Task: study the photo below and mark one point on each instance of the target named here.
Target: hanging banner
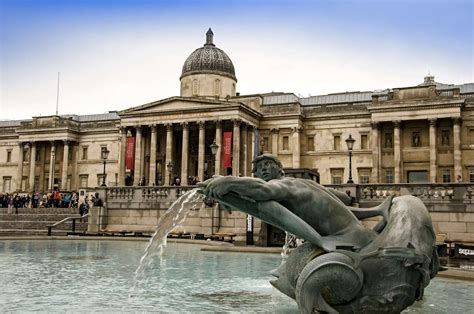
(130, 153)
(227, 151)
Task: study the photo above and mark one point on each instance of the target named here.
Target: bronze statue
(343, 266)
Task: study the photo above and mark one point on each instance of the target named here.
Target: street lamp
(104, 154)
(350, 145)
(214, 148)
(169, 166)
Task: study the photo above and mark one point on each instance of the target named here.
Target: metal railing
(50, 227)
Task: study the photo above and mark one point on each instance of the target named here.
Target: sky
(113, 55)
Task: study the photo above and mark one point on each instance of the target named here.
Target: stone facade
(422, 133)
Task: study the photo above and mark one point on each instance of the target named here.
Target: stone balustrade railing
(146, 193)
(429, 193)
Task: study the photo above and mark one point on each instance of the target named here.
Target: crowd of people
(56, 199)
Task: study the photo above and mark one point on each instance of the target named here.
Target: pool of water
(80, 276)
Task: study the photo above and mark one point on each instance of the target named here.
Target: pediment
(175, 104)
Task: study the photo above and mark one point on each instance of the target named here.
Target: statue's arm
(251, 188)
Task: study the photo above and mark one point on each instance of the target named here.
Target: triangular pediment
(176, 104)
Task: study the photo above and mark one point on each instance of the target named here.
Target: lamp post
(214, 148)
(104, 154)
(169, 166)
(350, 145)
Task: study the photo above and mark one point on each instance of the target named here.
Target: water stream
(172, 218)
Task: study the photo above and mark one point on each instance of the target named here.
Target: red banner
(227, 151)
(130, 153)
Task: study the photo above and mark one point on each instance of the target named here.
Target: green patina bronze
(343, 266)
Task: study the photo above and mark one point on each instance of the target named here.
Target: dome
(209, 60)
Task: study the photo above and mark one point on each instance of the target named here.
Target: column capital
(138, 129)
(66, 142)
(296, 129)
(236, 122)
(27, 145)
(152, 127)
(202, 124)
(433, 121)
(457, 120)
(218, 123)
(185, 125)
(274, 130)
(375, 125)
(169, 127)
(397, 123)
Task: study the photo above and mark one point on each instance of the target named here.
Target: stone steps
(65, 211)
(35, 221)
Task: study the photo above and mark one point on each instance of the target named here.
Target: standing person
(56, 198)
(17, 203)
(10, 203)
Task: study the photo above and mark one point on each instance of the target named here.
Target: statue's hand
(215, 187)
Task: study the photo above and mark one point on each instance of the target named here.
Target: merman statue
(343, 266)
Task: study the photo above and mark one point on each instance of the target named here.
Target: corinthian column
(397, 151)
(236, 149)
(19, 176)
(296, 147)
(31, 177)
(65, 164)
(375, 153)
(152, 180)
(185, 154)
(138, 154)
(201, 150)
(169, 151)
(52, 161)
(244, 153)
(433, 155)
(123, 148)
(457, 147)
(218, 161)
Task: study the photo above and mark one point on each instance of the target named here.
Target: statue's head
(267, 167)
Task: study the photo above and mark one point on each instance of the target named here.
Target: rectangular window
(9, 155)
(336, 176)
(286, 143)
(100, 178)
(364, 176)
(388, 175)
(7, 181)
(25, 155)
(445, 138)
(83, 178)
(38, 155)
(363, 141)
(446, 175)
(471, 136)
(310, 143)
(337, 142)
(388, 143)
(37, 182)
(471, 175)
(84, 152)
(416, 139)
(265, 143)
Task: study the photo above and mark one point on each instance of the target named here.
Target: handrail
(50, 227)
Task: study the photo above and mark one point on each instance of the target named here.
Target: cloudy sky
(116, 54)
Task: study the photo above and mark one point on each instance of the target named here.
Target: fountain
(342, 266)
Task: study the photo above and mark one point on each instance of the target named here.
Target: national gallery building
(422, 133)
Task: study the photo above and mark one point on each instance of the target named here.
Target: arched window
(217, 87)
(195, 88)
